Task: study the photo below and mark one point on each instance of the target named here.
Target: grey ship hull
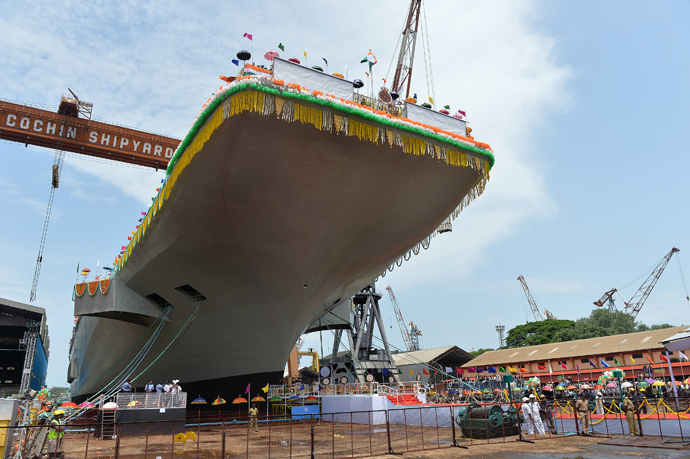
(273, 223)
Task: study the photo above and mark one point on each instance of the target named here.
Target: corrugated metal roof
(616, 344)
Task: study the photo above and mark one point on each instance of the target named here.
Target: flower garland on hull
(291, 103)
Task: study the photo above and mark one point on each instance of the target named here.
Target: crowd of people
(167, 388)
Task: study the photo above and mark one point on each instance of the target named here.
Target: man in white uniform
(527, 415)
(536, 418)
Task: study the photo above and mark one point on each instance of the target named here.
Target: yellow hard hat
(56, 412)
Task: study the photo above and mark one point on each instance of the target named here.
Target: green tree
(480, 351)
(533, 333)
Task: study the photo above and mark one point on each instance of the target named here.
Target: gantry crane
(532, 304)
(635, 304)
(72, 129)
(411, 337)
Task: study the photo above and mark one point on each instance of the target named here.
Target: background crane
(411, 337)
(638, 300)
(533, 304)
(71, 129)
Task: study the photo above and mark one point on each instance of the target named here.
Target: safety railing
(324, 435)
(150, 400)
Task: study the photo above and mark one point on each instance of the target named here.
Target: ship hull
(273, 223)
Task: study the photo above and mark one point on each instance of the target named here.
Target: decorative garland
(92, 287)
(253, 94)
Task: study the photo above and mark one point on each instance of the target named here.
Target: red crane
(403, 71)
(635, 304)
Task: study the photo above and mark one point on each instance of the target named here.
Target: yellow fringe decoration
(310, 115)
(363, 131)
(254, 101)
(279, 105)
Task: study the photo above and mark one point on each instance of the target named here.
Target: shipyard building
(24, 346)
(586, 359)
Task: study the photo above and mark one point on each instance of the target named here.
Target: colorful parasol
(598, 386)
(269, 55)
(275, 398)
(547, 387)
(199, 401)
(311, 398)
(338, 74)
(559, 387)
(571, 387)
(643, 384)
(611, 384)
(238, 400)
(69, 405)
(658, 384)
(258, 398)
(294, 60)
(219, 401)
(626, 384)
(86, 404)
(585, 386)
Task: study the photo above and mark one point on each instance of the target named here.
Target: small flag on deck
(248, 35)
(280, 45)
(604, 364)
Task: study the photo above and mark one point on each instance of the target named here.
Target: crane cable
(682, 277)
(56, 171)
(427, 60)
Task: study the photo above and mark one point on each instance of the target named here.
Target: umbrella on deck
(585, 386)
(239, 401)
(86, 404)
(571, 387)
(258, 398)
(559, 387)
(311, 398)
(547, 387)
(294, 60)
(68, 405)
(687, 381)
(275, 398)
(199, 401)
(219, 401)
(677, 383)
(658, 384)
(598, 386)
(269, 55)
(626, 384)
(643, 384)
(611, 384)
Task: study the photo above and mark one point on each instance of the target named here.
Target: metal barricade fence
(329, 435)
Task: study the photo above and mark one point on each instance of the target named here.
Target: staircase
(108, 429)
(403, 399)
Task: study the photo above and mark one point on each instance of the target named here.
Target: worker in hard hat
(57, 430)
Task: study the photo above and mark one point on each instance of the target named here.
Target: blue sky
(585, 105)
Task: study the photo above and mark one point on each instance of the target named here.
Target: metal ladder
(29, 343)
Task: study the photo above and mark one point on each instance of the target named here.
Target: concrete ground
(573, 447)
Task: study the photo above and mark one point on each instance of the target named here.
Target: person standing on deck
(629, 410)
(253, 415)
(582, 410)
(527, 415)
